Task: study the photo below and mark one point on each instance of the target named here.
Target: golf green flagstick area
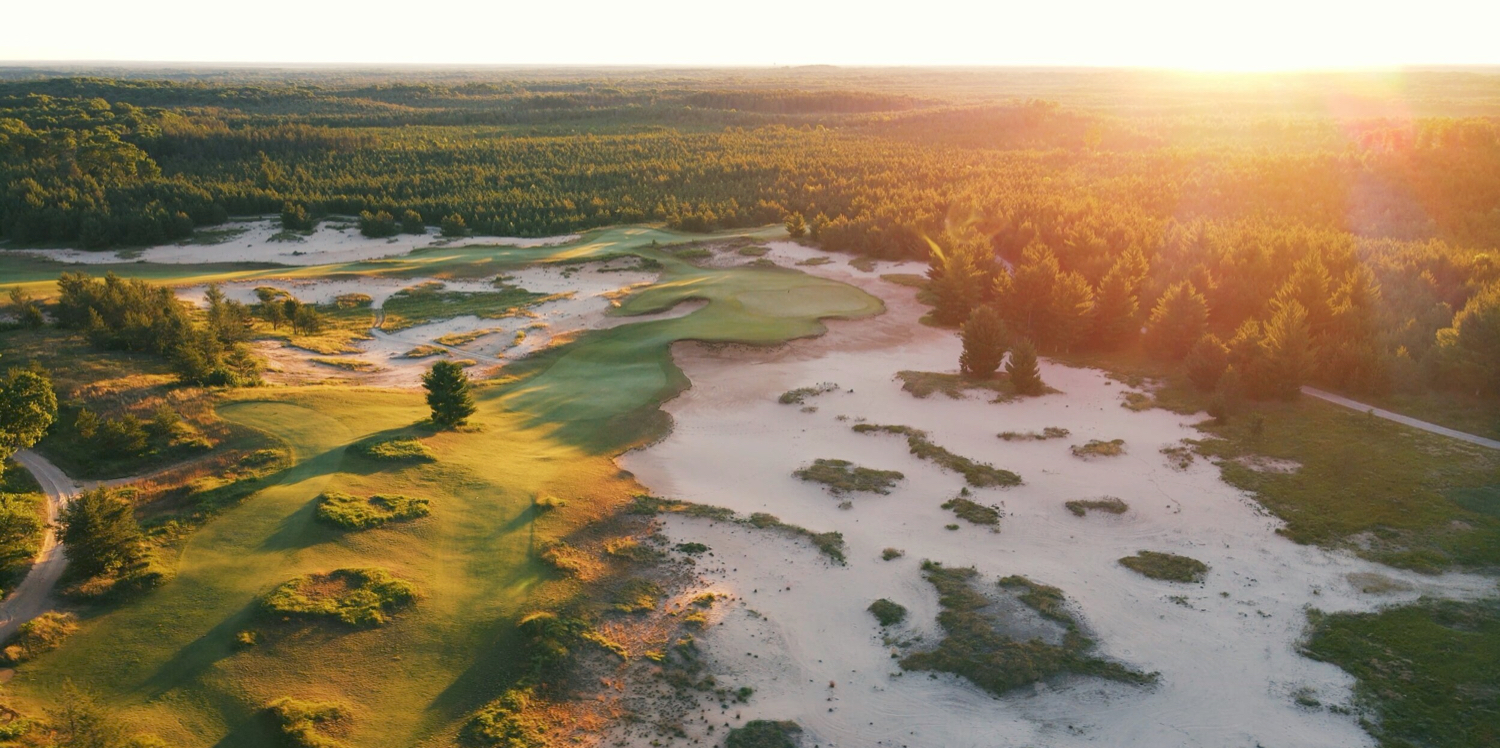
(196, 661)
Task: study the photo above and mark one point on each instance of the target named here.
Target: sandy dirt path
(33, 596)
(1398, 418)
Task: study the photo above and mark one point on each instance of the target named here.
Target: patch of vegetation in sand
(399, 449)
(1051, 432)
(637, 596)
(357, 597)
(799, 395)
(864, 263)
(830, 544)
(308, 724)
(428, 302)
(977, 474)
(755, 251)
(455, 339)
(1137, 401)
(1166, 566)
(910, 280)
(362, 513)
(1179, 456)
(975, 647)
(425, 351)
(888, 613)
(1426, 674)
(345, 363)
(891, 554)
(922, 384)
(764, 733)
(814, 261)
(973, 512)
(1099, 448)
(39, 635)
(1110, 504)
(842, 476)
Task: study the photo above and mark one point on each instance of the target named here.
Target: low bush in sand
(922, 384)
(753, 251)
(887, 612)
(424, 351)
(910, 280)
(42, 634)
(356, 513)
(308, 724)
(977, 474)
(813, 261)
(764, 733)
(1166, 566)
(357, 597)
(400, 449)
(1051, 432)
(799, 396)
(691, 549)
(891, 554)
(973, 512)
(1108, 504)
(975, 647)
(1138, 401)
(842, 476)
(1098, 448)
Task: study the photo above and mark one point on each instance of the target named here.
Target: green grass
(358, 597)
(842, 476)
(888, 613)
(977, 474)
(1110, 504)
(637, 596)
(1166, 566)
(39, 635)
(358, 513)
(975, 647)
(1099, 448)
(345, 363)
(762, 733)
(306, 724)
(973, 512)
(1051, 432)
(1426, 674)
(400, 449)
(425, 351)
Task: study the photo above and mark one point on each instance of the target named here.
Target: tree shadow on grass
(187, 666)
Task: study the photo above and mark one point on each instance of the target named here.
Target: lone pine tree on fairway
(448, 394)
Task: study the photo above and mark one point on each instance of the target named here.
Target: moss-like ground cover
(1166, 566)
(843, 476)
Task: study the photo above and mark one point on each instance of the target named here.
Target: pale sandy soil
(1225, 649)
(326, 245)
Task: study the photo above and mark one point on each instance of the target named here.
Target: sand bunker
(1225, 649)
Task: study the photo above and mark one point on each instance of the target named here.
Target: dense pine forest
(1331, 228)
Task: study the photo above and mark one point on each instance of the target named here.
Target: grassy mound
(800, 395)
(308, 724)
(1109, 504)
(355, 513)
(1097, 448)
(975, 647)
(1167, 566)
(764, 733)
(973, 512)
(42, 634)
(842, 476)
(1051, 432)
(887, 612)
(400, 449)
(977, 474)
(1429, 672)
(358, 597)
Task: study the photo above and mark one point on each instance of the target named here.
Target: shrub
(973, 512)
(400, 449)
(358, 597)
(377, 225)
(1051, 432)
(453, 225)
(302, 723)
(42, 634)
(799, 395)
(1109, 504)
(891, 554)
(1097, 448)
(412, 223)
(637, 596)
(978, 474)
(887, 612)
(1206, 363)
(842, 476)
(762, 733)
(1166, 566)
(692, 549)
(355, 513)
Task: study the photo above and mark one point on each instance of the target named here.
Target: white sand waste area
(335, 240)
(1225, 649)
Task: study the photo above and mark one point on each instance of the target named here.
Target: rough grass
(1108, 504)
(1426, 674)
(891, 554)
(975, 647)
(842, 476)
(425, 351)
(637, 596)
(888, 613)
(358, 597)
(910, 280)
(345, 363)
(1051, 432)
(973, 512)
(401, 449)
(39, 635)
(357, 513)
(977, 474)
(1166, 566)
(763, 733)
(922, 384)
(799, 396)
(464, 338)
(429, 302)
(1099, 448)
(308, 724)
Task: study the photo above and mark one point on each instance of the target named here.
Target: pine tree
(1288, 350)
(1206, 363)
(984, 344)
(1179, 319)
(1023, 370)
(453, 225)
(1072, 312)
(412, 223)
(957, 288)
(294, 217)
(101, 534)
(448, 394)
(1350, 356)
(1028, 305)
(796, 225)
(1116, 309)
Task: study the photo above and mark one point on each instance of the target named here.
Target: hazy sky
(1203, 34)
